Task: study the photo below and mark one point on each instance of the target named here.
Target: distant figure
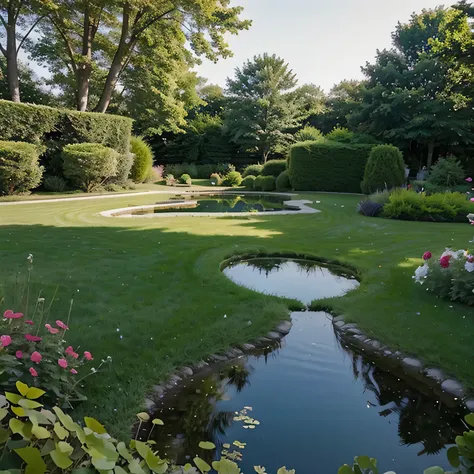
(421, 176)
(407, 172)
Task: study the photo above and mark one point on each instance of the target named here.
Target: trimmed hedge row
(41, 124)
(327, 166)
(274, 168)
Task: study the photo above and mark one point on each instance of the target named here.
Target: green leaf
(3, 413)
(65, 448)
(364, 462)
(37, 418)
(187, 467)
(18, 411)
(103, 464)
(34, 393)
(61, 433)
(226, 445)
(225, 466)
(49, 446)
(29, 404)
(201, 464)
(66, 420)
(13, 397)
(22, 388)
(40, 432)
(207, 445)
(346, 469)
(49, 415)
(157, 421)
(470, 419)
(16, 426)
(123, 451)
(60, 459)
(119, 470)
(434, 470)
(33, 459)
(143, 416)
(453, 456)
(4, 435)
(94, 425)
(135, 468)
(283, 470)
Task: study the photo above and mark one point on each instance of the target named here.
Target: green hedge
(283, 181)
(327, 166)
(274, 168)
(48, 125)
(248, 181)
(19, 167)
(142, 161)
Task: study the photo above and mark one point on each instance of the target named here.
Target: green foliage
(182, 168)
(248, 181)
(308, 134)
(124, 166)
(55, 184)
(258, 183)
(88, 165)
(215, 179)
(19, 167)
(268, 183)
(447, 172)
(380, 197)
(443, 207)
(170, 180)
(340, 134)
(327, 166)
(283, 181)
(253, 170)
(143, 159)
(204, 171)
(233, 178)
(274, 168)
(224, 168)
(385, 169)
(185, 179)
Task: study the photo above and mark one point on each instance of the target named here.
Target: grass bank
(149, 292)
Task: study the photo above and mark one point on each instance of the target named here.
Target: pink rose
(444, 261)
(19, 354)
(61, 325)
(33, 372)
(9, 314)
(30, 322)
(36, 357)
(88, 355)
(427, 255)
(73, 371)
(62, 363)
(469, 180)
(32, 338)
(6, 340)
(51, 329)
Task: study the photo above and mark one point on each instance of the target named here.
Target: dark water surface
(318, 404)
(304, 280)
(220, 203)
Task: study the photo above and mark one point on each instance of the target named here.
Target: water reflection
(304, 280)
(315, 397)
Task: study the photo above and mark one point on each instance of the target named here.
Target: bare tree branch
(4, 23)
(67, 43)
(29, 32)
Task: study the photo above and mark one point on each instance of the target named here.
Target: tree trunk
(12, 59)
(265, 156)
(82, 82)
(429, 159)
(84, 67)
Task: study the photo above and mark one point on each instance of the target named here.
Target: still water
(220, 203)
(318, 402)
(303, 280)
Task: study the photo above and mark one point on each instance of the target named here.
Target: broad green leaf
(135, 468)
(434, 470)
(49, 446)
(453, 456)
(141, 448)
(119, 470)
(49, 415)
(123, 451)
(345, 470)
(259, 469)
(19, 411)
(207, 445)
(94, 425)
(37, 418)
(157, 421)
(65, 448)
(364, 462)
(283, 470)
(4, 435)
(201, 464)
(34, 393)
(60, 459)
(33, 459)
(102, 464)
(66, 420)
(29, 404)
(13, 397)
(3, 413)
(187, 467)
(40, 432)
(226, 445)
(61, 433)
(143, 416)
(22, 388)
(470, 419)
(84, 470)
(225, 466)
(16, 426)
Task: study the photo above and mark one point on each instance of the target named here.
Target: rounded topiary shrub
(142, 160)
(248, 181)
(88, 165)
(252, 170)
(185, 179)
(308, 134)
(258, 183)
(447, 172)
(283, 180)
(274, 167)
(20, 171)
(385, 169)
(268, 183)
(215, 179)
(233, 178)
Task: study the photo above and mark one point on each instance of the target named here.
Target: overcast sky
(324, 41)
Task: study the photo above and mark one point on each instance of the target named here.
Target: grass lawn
(156, 283)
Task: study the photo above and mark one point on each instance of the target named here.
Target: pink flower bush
(427, 255)
(33, 372)
(9, 314)
(444, 261)
(73, 371)
(30, 322)
(36, 357)
(31, 338)
(88, 355)
(6, 340)
(61, 325)
(51, 329)
(62, 363)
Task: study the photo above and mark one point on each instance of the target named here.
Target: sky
(324, 41)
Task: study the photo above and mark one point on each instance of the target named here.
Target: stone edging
(273, 337)
(434, 377)
(298, 206)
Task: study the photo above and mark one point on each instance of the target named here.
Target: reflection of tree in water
(421, 418)
(192, 415)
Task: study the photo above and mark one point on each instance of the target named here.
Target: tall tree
(106, 35)
(262, 110)
(409, 94)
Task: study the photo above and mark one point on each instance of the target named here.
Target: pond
(304, 280)
(219, 203)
